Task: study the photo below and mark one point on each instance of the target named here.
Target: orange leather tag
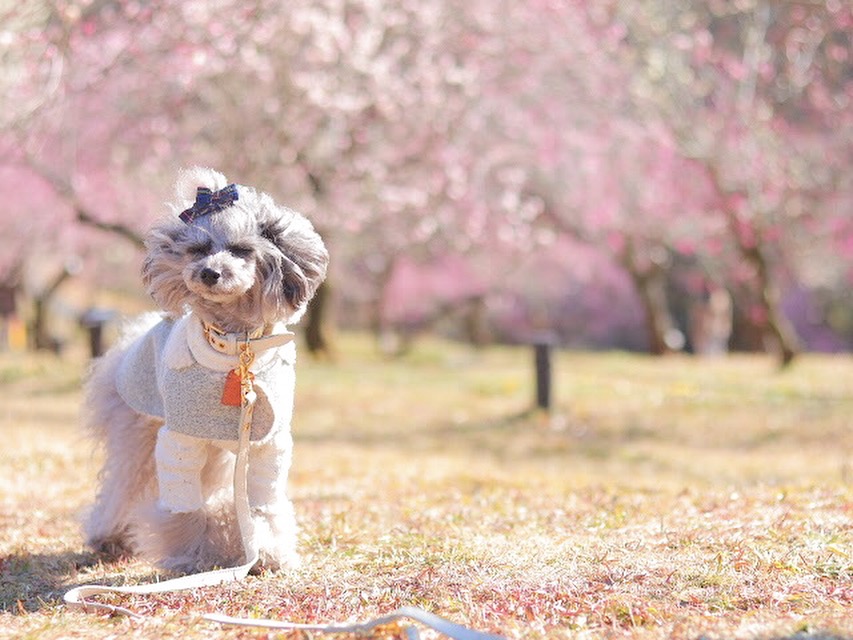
(231, 393)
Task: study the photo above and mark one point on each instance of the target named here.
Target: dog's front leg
(180, 460)
(175, 532)
(272, 511)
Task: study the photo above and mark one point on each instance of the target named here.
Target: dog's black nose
(209, 276)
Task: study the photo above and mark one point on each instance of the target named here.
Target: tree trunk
(782, 331)
(42, 339)
(660, 326)
(775, 325)
(475, 323)
(650, 283)
(316, 338)
(388, 341)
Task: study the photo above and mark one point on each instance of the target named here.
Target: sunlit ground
(662, 498)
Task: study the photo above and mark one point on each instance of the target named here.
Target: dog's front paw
(272, 563)
(275, 535)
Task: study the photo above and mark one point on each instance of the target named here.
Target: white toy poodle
(230, 272)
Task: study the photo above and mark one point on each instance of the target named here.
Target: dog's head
(234, 256)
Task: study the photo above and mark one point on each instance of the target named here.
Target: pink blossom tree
(564, 150)
(340, 109)
(757, 95)
(652, 129)
(56, 138)
(411, 132)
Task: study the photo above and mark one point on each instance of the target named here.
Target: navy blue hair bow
(208, 201)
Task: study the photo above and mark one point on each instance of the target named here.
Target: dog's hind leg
(127, 476)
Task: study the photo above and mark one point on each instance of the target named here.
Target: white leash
(432, 621)
(79, 596)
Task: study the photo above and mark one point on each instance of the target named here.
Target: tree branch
(84, 217)
(65, 189)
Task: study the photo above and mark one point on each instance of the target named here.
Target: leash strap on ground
(432, 621)
(79, 596)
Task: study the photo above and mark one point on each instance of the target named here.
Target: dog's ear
(162, 268)
(294, 284)
(303, 258)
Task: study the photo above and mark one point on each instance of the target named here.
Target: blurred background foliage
(642, 175)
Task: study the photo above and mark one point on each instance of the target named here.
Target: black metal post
(542, 360)
(96, 339)
(95, 321)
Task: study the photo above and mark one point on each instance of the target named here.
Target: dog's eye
(240, 251)
(270, 232)
(200, 249)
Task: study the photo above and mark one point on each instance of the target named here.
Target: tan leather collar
(233, 343)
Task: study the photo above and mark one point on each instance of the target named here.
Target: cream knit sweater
(171, 372)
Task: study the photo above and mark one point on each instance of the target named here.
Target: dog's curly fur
(251, 265)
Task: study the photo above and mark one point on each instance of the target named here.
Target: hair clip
(208, 201)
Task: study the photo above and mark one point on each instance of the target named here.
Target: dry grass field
(665, 498)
